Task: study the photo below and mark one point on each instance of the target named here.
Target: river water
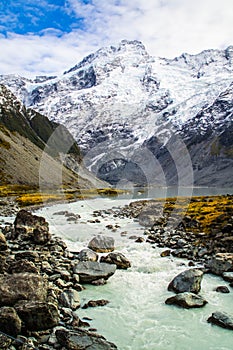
(137, 317)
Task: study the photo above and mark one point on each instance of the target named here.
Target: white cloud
(166, 27)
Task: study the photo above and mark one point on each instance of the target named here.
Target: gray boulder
(118, 259)
(102, 244)
(220, 263)
(70, 299)
(222, 289)
(221, 319)
(82, 339)
(31, 227)
(10, 322)
(187, 281)
(228, 276)
(95, 303)
(90, 271)
(87, 255)
(186, 300)
(37, 315)
(22, 286)
(149, 219)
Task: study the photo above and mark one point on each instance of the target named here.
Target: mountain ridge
(31, 147)
(133, 105)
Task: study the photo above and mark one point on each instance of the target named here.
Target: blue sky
(30, 16)
(49, 36)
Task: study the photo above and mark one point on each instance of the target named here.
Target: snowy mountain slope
(124, 107)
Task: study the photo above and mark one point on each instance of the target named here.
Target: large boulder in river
(87, 255)
(186, 300)
(187, 281)
(102, 244)
(22, 286)
(82, 339)
(221, 319)
(10, 322)
(90, 271)
(32, 227)
(38, 315)
(220, 263)
(118, 259)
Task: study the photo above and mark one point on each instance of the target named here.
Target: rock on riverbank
(40, 282)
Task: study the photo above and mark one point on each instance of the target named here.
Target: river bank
(40, 281)
(142, 285)
(193, 228)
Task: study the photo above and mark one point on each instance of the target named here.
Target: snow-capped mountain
(143, 119)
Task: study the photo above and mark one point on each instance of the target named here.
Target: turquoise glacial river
(137, 317)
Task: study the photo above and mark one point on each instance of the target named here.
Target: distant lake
(164, 192)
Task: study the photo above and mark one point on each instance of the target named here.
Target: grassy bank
(29, 196)
(209, 212)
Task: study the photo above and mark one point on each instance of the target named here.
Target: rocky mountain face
(141, 119)
(35, 151)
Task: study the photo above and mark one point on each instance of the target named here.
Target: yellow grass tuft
(209, 211)
(30, 199)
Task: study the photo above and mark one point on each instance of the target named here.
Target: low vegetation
(30, 195)
(37, 198)
(9, 190)
(207, 211)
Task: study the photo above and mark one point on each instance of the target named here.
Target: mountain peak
(131, 44)
(108, 53)
(207, 61)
